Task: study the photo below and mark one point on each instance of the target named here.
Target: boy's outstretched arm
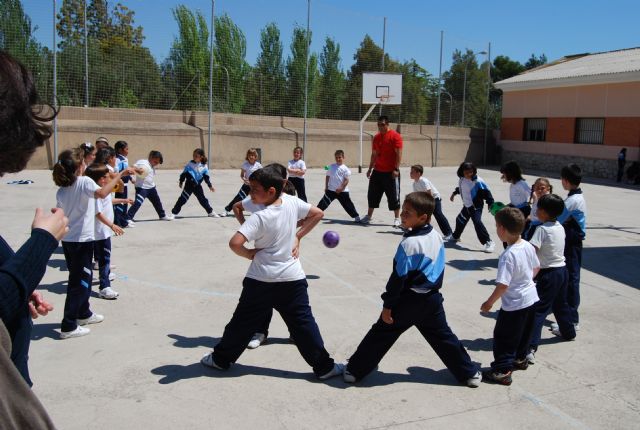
(237, 245)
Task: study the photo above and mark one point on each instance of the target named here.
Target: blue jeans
(511, 337)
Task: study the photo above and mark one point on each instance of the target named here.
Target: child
(420, 183)
(541, 187)
(261, 333)
(89, 152)
(250, 165)
(519, 191)
(122, 163)
(275, 279)
(147, 188)
(573, 219)
(76, 197)
(194, 173)
(473, 191)
(551, 282)
(335, 187)
(296, 169)
(104, 229)
(413, 298)
(517, 266)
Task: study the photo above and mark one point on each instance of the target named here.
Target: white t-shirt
(105, 207)
(249, 206)
(337, 174)
(248, 169)
(549, 239)
(515, 269)
(297, 164)
(78, 203)
(519, 193)
(423, 184)
(149, 180)
(273, 229)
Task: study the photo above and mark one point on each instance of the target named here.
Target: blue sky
(514, 28)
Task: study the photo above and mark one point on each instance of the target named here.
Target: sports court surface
(179, 284)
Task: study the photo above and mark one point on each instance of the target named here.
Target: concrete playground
(179, 283)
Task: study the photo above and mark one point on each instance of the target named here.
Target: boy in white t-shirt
(146, 188)
(104, 229)
(296, 169)
(421, 183)
(517, 267)
(335, 187)
(553, 278)
(275, 279)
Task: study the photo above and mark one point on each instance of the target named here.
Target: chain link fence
(110, 64)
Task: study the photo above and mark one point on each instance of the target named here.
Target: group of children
(535, 276)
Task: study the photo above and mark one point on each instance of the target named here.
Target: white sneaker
(556, 327)
(396, 223)
(131, 224)
(213, 215)
(338, 369)
(112, 276)
(474, 381)
(489, 246)
(257, 340)
(347, 376)
(109, 294)
(79, 331)
(207, 360)
(531, 357)
(356, 219)
(169, 217)
(448, 238)
(93, 319)
(365, 219)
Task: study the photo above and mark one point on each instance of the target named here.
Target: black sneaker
(497, 377)
(522, 364)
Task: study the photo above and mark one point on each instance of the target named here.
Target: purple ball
(331, 239)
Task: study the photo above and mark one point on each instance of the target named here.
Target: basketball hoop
(385, 99)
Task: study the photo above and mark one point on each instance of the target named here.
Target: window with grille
(590, 130)
(535, 129)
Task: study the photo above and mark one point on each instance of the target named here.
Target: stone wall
(598, 168)
(176, 134)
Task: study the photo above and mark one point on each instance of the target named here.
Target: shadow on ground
(619, 263)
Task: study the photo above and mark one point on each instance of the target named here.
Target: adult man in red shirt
(384, 171)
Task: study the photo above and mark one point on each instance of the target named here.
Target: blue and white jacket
(473, 192)
(574, 216)
(418, 265)
(195, 172)
(122, 163)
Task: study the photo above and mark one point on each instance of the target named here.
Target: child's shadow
(58, 263)
(416, 374)
(491, 282)
(474, 264)
(478, 344)
(175, 372)
(339, 221)
(193, 342)
(59, 287)
(40, 331)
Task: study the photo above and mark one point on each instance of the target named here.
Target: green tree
(266, 88)
(296, 73)
(417, 87)
(185, 71)
(230, 52)
(332, 81)
(534, 61)
(474, 93)
(504, 68)
(70, 25)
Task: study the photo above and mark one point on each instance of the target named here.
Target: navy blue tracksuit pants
(290, 299)
(511, 337)
(244, 192)
(426, 313)
(343, 198)
(191, 187)
(19, 329)
(298, 184)
(551, 284)
(573, 260)
(475, 215)
(120, 210)
(102, 252)
(154, 198)
(442, 221)
(79, 256)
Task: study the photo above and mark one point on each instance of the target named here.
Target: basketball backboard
(381, 88)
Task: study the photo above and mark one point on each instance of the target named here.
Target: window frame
(540, 134)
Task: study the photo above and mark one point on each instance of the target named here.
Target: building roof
(582, 69)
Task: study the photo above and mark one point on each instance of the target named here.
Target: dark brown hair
(511, 219)
(422, 202)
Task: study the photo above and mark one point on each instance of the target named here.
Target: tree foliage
(296, 75)
(332, 81)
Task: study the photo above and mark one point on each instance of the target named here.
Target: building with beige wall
(581, 108)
